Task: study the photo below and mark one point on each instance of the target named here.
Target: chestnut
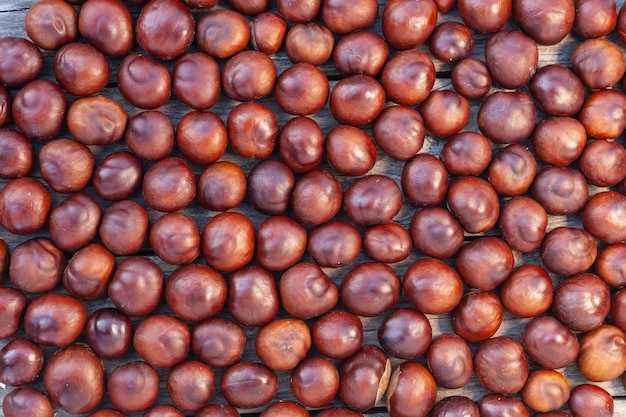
(450, 361)
(66, 165)
(16, 154)
(36, 265)
(81, 69)
(559, 141)
(598, 62)
(269, 184)
(451, 41)
(545, 390)
(196, 80)
(301, 144)
(399, 131)
(485, 16)
(11, 311)
(109, 333)
(602, 114)
(51, 23)
(228, 241)
(117, 176)
(248, 385)
(560, 190)
(370, 288)
(136, 287)
(174, 237)
(557, 90)
(218, 342)
(267, 32)
(350, 150)
(435, 232)
(466, 153)
(432, 286)
(507, 116)
(589, 399)
(21, 361)
(608, 264)
(24, 206)
(252, 130)
(27, 401)
(373, 199)
(408, 77)
(306, 291)
(216, 410)
(334, 244)
(124, 227)
(107, 412)
(527, 292)
(546, 25)
(512, 171)
(364, 378)
(601, 216)
(445, 113)
(602, 356)
(107, 25)
(201, 136)
(221, 186)
(407, 24)
(474, 203)
(21, 61)
(595, 18)
(74, 222)
(405, 333)
(357, 100)
(424, 180)
(253, 296)
(337, 334)
(96, 120)
(478, 316)
(485, 263)
(169, 185)
(165, 28)
(150, 135)
(316, 197)
(549, 343)
(283, 343)
(54, 319)
(248, 75)
(389, 243)
(471, 78)
(133, 386)
(362, 52)
(284, 408)
(143, 81)
(412, 391)
(455, 405)
(511, 57)
(88, 272)
(309, 43)
(345, 16)
(249, 6)
(195, 292)
(280, 243)
(190, 385)
(161, 340)
(301, 89)
(32, 117)
(300, 12)
(315, 381)
(493, 405)
(582, 302)
(568, 250)
(501, 365)
(74, 379)
(222, 33)
(603, 163)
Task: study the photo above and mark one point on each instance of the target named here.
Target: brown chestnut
(165, 28)
(21, 361)
(222, 33)
(357, 100)
(24, 206)
(283, 343)
(36, 265)
(96, 120)
(218, 342)
(301, 89)
(137, 286)
(432, 286)
(88, 272)
(228, 241)
(309, 43)
(602, 356)
(412, 391)
(11, 311)
(485, 263)
(117, 176)
(252, 130)
(133, 386)
(408, 77)
(253, 296)
(27, 401)
(334, 244)
(315, 381)
(450, 361)
(162, 340)
(370, 288)
(501, 365)
(202, 137)
(174, 237)
(316, 197)
(364, 378)
(107, 25)
(196, 80)
(195, 292)
(21, 61)
(568, 250)
(74, 222)
(190, 385)
(109, 333)
(362, 52)
(280, 243)
(407, 23)
(337, 334)
(39, 108)
(350, 150)
(248, 385)
(405, 333)
(306, 291)
(478, 316)
(51, 23)
(345, 16)
(474, 203)
(549, 343)
(527, 292)
(582, 302)
(389, 243)
(267, 32)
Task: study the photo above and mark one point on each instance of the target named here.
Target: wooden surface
(11, 23)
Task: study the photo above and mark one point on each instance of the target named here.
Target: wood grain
(12, 14)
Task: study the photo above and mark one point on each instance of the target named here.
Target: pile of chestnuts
(326, 207)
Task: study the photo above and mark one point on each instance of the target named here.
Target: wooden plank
(12, 14)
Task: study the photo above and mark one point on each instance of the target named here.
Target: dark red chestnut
(133, 386)
(218, 342)
(407, 23)
(412, 391)
(195, 292)
(137, 286)
(162, 340)
(165, 28)
(107, 25)
(51, 23)
(582, 302)
(109, 333)
(501, 365)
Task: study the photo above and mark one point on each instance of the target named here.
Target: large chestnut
(12, 306)
(364, 378)
(109, 332)
(51, 23)
(137, 286)
(568, 250)
(407, 23)
(133, 386)
(602, 356)
(54, 319)
(485, 262)
(501, 365)
(88, 272)
(283, 343)
(315, 381)
(21, 61)
(27, 401)
(190, 385)
(450, 361)
(39, 108)
(511, 57)
(370, 288)
(248, 385)
(590, 400)
(196, 80)
(306, 291)
(162, 340)
(549, 343)
(21, 361)
(405, 333)
(253, 296)
(337, 334)
(527, 292)
(412, 391)
(107, 25)
(165, 28)
(280, 243)
(195, 292)
(432, 286)
(582, 301)
(222, 33)
(96, 120)
(36, 265)
(478, 316)
(218, 342)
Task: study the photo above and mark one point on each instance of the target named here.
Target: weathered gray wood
(11, 24)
